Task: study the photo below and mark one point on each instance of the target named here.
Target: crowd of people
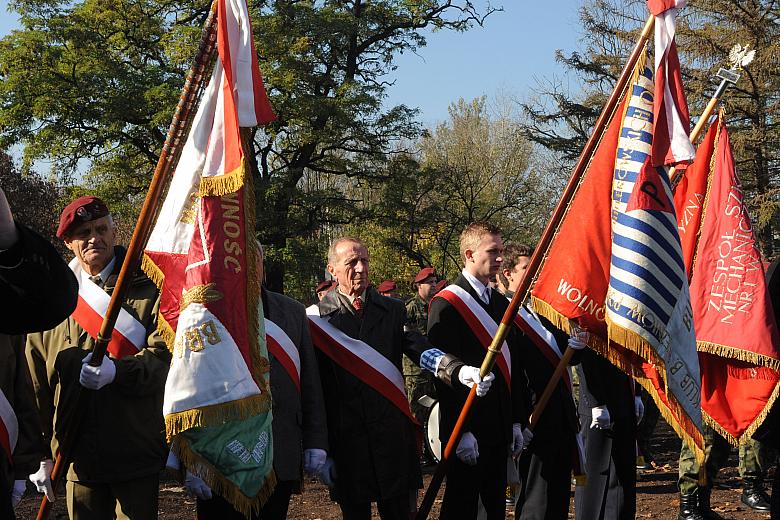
(335, 424)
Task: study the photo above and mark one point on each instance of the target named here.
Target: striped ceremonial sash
(542, 338)
(9, 427)
(481, 324)
(361, 360)
(129, 335)
(283, 349)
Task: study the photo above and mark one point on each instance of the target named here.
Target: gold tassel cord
(747, 356)
(216, 414)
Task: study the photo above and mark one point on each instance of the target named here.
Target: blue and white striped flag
(648, 306)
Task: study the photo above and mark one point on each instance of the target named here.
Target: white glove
(601, 419)
(96, 378)
(196, 487)
(313, 460)
(328, 472)
(469, 376)
(172, 462)
(42, 479)
(528, 436)
(468, 450)
(18, 492)
(576, 343)
(517, 439)
(639, 409)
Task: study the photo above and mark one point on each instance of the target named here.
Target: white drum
(432, 441)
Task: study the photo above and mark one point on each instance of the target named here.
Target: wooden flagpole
(533, 267)
(166, 164)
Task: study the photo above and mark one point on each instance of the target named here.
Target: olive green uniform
(418, 382)
(120, 448)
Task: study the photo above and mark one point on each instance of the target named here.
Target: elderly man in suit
(300, 434)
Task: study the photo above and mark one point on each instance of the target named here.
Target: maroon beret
(83, 209)
(424, 273)
(325, 285)
(441, 285)
(387, 286)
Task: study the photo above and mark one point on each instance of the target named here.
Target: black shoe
(754, 496)
(704, 505)
(689, 507)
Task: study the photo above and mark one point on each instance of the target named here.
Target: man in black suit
(496, 425)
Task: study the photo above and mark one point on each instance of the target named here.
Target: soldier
(459, 322)
(323, 287)
(388, 288)
(419, 382)
(120, 447)
(300, 435)
(359, 336)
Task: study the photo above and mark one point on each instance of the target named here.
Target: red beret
(424, 273)
(441, 285)
(387, 286)
(325, 285)
(83, 209)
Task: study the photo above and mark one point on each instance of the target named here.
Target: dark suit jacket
(493, 415)
(298, 418)
(37, 288)
(373, 443)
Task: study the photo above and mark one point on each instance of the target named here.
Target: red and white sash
(542, 338)
(9, 427)
(129, 335)
(481, 324)
(359, 359)
(283, 349)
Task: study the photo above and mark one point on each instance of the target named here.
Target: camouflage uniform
(418, 382)
(752, 461)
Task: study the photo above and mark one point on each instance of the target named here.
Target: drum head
(432, 441)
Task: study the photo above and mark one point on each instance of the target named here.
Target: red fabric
(542, 345)
(289, 366)
(657, 7)
(91, 321)
(5, 442)
(731, 306)
(662, 152)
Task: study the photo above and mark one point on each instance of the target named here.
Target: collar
(107, 270)
(362, 295)
(481, 289)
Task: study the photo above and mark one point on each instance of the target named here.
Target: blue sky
(513, 48)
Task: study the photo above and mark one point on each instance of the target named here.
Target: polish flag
(671, 144)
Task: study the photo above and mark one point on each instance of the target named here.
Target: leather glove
(518, 442)
(468, 450)
(313, 460)
(96, 378)
(196, 487)
(42, 479)
(601, 419)
(639, 409)
(576, 343)
(328, 472)
(469, 376)
(528, 436)
(18, 492)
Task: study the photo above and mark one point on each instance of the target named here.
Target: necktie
(486, 295)
(357, 303)
(97, 280)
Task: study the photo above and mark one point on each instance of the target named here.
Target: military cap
(424, 273)
(387, 286)
(83, 209)
(441, 285)
(324, 285)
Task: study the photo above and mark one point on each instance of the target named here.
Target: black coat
(37, 288)
(493, 415)
(373, 443)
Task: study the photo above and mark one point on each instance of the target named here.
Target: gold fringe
(216, 414)
(166, 331)
(738, 354)
(220, 185)
(202, 294)
(217, 482)
(634, 342)
(151, 270)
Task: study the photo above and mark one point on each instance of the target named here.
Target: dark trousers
(391, 509)
(131, 500)
(610, 493)
(6, 511)
(274, 509)
(466, 484)
(545, 471)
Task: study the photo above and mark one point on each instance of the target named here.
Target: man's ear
(330, 269)
(469, 254)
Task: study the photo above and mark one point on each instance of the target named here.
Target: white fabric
(469, 376)
(18, 492)
(313, 460)
(639, 409)
(532, 319)
(42, 479)
(242, 54)
(487, 322)
(284, 341)
(601, 419)
(196, 487)
(97, 377)
(517, 439)
(360, 349)
(8, 417)
(468, 449)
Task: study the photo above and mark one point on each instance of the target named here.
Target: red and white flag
(671, 144)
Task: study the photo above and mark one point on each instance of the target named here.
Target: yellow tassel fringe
(738, 354)
(216, 414)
